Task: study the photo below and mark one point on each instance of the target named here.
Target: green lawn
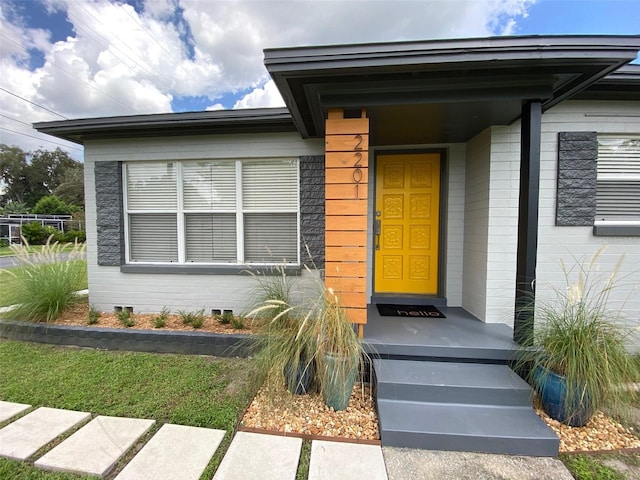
(8, 282)
(188, 390)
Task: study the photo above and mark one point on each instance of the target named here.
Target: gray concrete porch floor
(459, 336)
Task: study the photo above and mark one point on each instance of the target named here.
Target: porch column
(527, 219)
(346, 164)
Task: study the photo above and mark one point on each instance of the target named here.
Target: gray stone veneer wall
(577, 178)
(109, 214)
(312, 210)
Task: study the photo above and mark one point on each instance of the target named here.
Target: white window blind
(153, 237)
(270, 238)
(151, 186)
(211, 237)
(270, 185)
(209, 185)
(618, 189)
(191, 211)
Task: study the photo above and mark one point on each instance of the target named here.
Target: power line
(33, 103)
(165, 80)
(41, 139)
(15, 120)
(76, 77)
(177, 62)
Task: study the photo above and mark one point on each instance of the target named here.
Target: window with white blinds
(213, 212)
(618, 188)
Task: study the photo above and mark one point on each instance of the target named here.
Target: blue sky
(89, 58)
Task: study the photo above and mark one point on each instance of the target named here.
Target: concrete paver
(267, 457)
(175, 451)
(346, 461)
(11, 409)
(414, 464)
(96, 447)
(25, 436)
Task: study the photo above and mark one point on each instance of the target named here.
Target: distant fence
(10, 225)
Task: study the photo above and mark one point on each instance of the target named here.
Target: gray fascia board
(233, 121)
(377, 55)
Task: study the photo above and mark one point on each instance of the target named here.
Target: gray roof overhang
(498, 73)
(623, 84)
(262, 120)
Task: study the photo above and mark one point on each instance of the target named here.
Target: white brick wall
(570, 243)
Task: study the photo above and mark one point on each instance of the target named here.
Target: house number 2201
(357, 172)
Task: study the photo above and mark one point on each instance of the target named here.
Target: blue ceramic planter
(552, 389)
(338, 381)
(300, 377)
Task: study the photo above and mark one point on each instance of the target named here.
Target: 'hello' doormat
(390, 310)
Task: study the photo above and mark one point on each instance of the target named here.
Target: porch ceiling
(445, 90)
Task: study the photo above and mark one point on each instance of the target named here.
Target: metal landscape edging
(133, 340)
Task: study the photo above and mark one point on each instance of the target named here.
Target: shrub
(72, 236)
(238, 322)
(160, 320)
(94, 315)
(4, 243)
(227, 317)
(47, 284)
(195, 319)
(35, 233)
(126, 318)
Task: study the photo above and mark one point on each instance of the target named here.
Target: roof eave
(170, 124)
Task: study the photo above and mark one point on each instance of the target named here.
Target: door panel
(407, 223)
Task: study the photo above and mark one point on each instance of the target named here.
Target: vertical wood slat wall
(346, 177)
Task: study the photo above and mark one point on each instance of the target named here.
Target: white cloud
(262, 97)
(215, 106)
(119, 61)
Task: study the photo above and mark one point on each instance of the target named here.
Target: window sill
(616, 230)
(209, 269)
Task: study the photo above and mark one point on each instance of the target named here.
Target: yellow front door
(407, 223)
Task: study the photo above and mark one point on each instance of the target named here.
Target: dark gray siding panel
(312, 210)
(577, 175)
(109, 215)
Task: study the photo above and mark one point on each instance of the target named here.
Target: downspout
(530, 136)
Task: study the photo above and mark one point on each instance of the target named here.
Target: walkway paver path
(255, 456)
(175, 451)
(178, 452)
(346, 461)
(96, 447)
(10, 409)
(27, 435)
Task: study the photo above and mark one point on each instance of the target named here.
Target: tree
(27, 177)
(13, 164)
(52, 205)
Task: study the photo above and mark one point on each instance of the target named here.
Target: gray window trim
(608, 229)
(208, 270)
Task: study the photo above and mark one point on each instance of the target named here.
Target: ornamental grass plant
(48, 281)
(578, 337)
(313, 335)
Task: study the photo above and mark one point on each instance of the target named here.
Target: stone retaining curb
(133, 340)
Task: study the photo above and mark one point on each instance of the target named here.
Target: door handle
(378, 230)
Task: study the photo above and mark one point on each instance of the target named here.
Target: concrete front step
(459, 427)
(449, 382)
